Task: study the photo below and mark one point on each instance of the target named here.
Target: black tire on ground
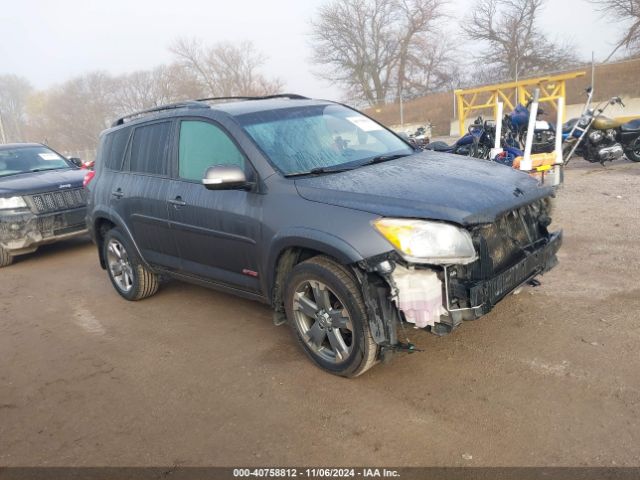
(144, 283)
(5, 258)
(633, 153)
(345, 295)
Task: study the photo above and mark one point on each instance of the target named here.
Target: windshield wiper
(383, 158)
(46, 169)
(349, 166)
(320, 170)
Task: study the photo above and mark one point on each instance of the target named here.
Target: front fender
(308, 238)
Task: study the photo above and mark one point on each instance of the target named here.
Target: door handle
(118, 193)
(178, 202)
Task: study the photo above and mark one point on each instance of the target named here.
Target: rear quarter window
(149, 150)
(114, 147)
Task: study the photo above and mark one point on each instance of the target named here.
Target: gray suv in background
(317, 210)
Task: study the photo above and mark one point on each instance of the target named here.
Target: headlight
(422, 241)
(584, 121)
(12, 202)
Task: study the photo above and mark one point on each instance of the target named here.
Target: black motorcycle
(478, 142)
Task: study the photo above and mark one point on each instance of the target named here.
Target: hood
(430, 185)
(38, 182)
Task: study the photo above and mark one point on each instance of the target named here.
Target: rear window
(150, 149)
(114, 146)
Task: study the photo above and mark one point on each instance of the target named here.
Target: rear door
(141, 193)
(216, 231)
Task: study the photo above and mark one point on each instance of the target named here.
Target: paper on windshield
(365, 124)
(49, 156)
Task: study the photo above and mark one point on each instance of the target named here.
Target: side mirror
(225, 177)
(76, 161)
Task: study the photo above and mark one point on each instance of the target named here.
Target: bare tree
(149, 88)
(370, 46)
(14, 94)
(511, 42)
(432, 66)
(72, 115)
(225, 69)
(626, 11)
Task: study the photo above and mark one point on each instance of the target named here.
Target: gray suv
(309, 206)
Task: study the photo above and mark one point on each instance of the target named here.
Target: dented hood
(38, 182)
(428, 185)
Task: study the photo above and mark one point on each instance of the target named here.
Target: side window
(150, 148)
(114, 146)
(203, 145)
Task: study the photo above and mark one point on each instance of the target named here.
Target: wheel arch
(296, 245)
(103, 221)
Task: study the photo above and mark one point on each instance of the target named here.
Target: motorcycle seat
(632, 126)
(439, 147)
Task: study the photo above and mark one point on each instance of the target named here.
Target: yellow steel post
(462, 112)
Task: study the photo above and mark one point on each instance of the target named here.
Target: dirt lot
(196, 377)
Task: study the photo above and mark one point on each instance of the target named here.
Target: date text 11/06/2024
(315, 472)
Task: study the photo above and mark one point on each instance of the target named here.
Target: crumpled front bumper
(440, 298)
(479, 297)
(22, 231)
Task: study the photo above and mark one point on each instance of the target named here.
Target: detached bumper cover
(483, 295)
(23, 231)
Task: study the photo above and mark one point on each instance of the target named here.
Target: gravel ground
(196, 377)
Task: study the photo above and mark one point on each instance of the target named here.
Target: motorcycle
(420, 138)
(477, 142)
(516, 123)
(598, 138)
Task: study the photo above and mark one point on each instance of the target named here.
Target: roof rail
(170, 106)
(198, 103)
(292, 96)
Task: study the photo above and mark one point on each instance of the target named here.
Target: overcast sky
(50, 41)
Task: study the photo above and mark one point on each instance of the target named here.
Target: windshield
(29, 159)
(301, 139)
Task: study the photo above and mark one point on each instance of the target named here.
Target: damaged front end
(45, 218)
(508, 253)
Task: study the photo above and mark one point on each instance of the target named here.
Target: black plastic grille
(504, 243)
(58, 200)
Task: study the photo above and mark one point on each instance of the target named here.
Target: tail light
(88, 177)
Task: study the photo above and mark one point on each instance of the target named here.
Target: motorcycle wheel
(633, 152)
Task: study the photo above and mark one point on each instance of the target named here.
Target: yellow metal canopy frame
(481, 98)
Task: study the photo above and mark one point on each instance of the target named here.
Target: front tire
(6, 258)
(327, 315)
(131, 278)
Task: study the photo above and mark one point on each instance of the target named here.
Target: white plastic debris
(419, 295)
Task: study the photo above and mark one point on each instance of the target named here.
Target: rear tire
(327, 315)
(131, 278)
(6, 258)
(633, 153)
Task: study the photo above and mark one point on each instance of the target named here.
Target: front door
(216, 231)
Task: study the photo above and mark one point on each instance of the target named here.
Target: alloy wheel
(119, 265)
(323, 321)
